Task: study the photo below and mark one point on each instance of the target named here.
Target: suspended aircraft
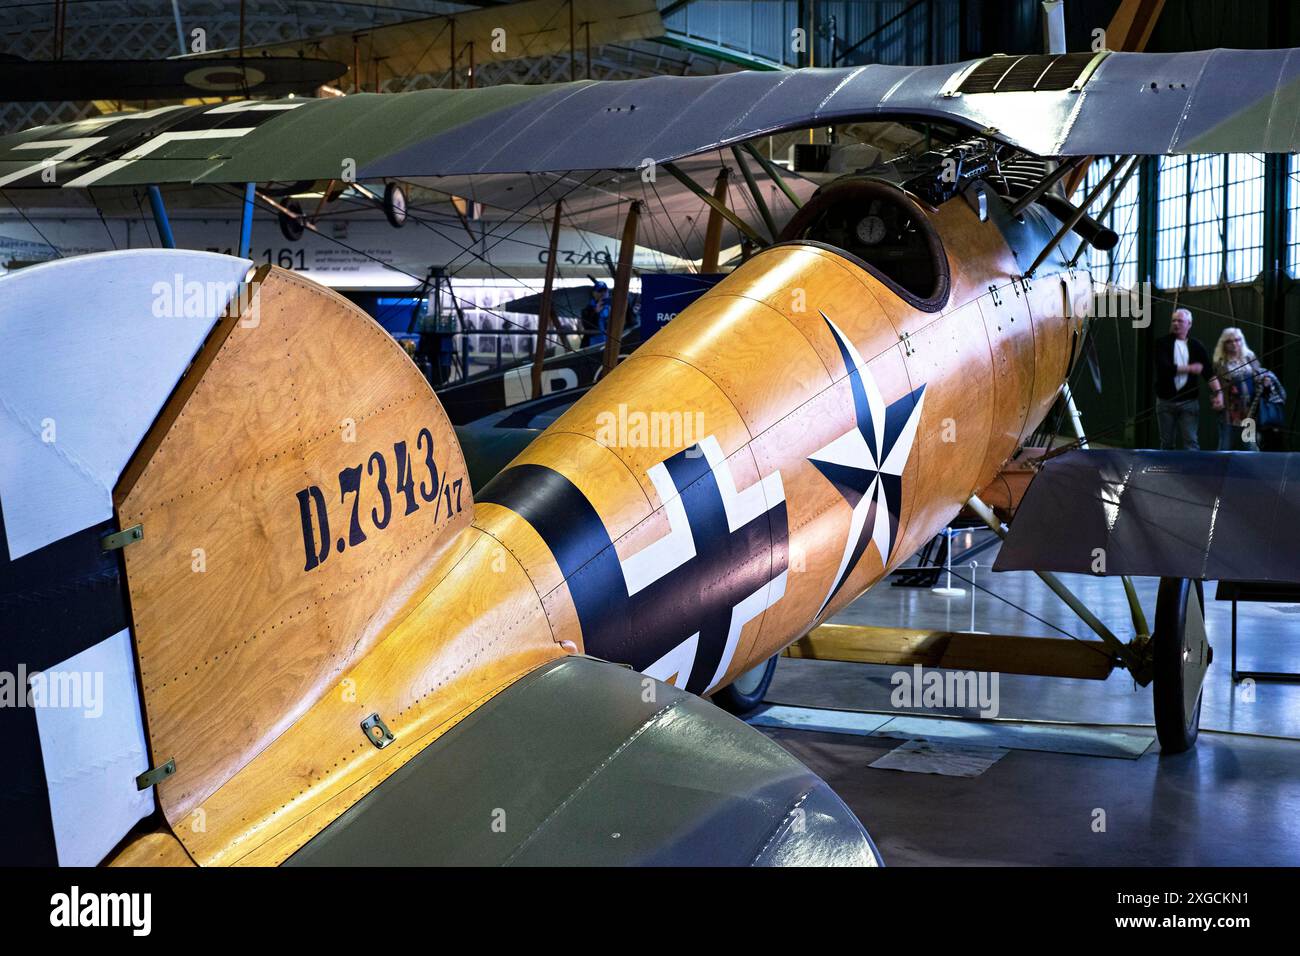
(45, 80)
(229, 492)
(463, 42)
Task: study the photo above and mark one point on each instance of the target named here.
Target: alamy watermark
(67, 690)
(75, 908)
(194, 299)
(624, 428)
(1115, 302)
(920, 687)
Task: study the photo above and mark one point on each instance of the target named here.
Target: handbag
(1271, 404)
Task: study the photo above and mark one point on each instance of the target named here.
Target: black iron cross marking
(675, 614)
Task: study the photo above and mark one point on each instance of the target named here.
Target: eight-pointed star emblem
(866, 463)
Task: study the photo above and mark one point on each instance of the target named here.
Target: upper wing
(1067, 105)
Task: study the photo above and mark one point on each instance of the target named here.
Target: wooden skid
(1007, 654)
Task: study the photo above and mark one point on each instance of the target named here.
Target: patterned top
(1237, 379)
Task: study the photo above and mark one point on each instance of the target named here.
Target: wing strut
(1121, 650)
(1110, 202)
(544, 312)
(715, 204)
(160, 218)
(622, 277)
(1074, 218)
(774, 174)
(713, 230)
(755, 192)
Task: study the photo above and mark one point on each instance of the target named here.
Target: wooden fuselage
(748, 471)
(785, 514)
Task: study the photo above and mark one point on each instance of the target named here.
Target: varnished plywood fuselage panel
(778, 448)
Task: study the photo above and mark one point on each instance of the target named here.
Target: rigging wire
(104, 222)
(365, 204)
(55, 249)
(418, 279)
(1091, 645)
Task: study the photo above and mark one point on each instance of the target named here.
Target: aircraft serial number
(295, 260)
(405, 496)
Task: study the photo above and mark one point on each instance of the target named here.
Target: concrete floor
(1233, 800)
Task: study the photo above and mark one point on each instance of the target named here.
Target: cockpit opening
(885, 230)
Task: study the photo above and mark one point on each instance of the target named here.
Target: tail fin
(292, 495)
(90, 349)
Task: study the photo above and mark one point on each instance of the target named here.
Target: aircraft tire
(292, 223)
(395, 205)
(747, 691)
(1181, 655)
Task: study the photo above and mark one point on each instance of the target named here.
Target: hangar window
(1204, 221)
(1117, 266)
(1245, 233)
(884, 230)
(1293, 214)
(1171, 218)
(1209, 220)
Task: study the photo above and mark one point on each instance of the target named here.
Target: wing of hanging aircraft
(37, 80)
(470, 38)
(1050, 105)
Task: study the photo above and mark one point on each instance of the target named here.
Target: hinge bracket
(151, 778)
(377, 731)
(120, 539)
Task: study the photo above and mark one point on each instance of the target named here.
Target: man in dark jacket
(1180, 362)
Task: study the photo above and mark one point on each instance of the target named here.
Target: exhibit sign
(665, 294)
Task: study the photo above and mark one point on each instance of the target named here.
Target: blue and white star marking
(866, 463)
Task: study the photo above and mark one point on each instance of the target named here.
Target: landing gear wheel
(748, 690)
(293, 222)
(1181, 654)
(395, 205)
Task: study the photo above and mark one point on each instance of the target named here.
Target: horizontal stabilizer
(582, 762)
(1204, 515)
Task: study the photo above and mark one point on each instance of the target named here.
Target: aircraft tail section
(91, 347)
(292, 498)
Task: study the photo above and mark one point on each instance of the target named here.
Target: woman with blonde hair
(1235, 384)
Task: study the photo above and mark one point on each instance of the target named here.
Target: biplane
(229, 493)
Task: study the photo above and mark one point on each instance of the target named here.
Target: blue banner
(665, 294)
